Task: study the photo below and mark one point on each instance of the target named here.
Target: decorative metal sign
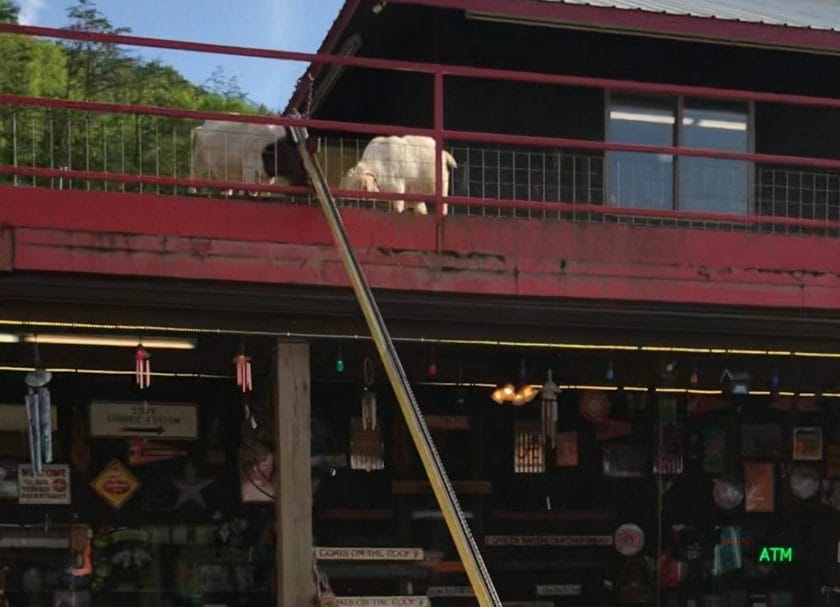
(368, 554)
(50, 487)
(548, 540)
(115, 484)
(150, 420)
(629, 539)
(449, 591)
(383, 601)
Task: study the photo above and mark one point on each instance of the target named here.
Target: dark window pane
(709, 184)
(635, 179)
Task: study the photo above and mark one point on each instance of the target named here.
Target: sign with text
(383, 601)
(559, 590)
(548, 540)
(115, 484)
(135, 419)
(368, 554)
(50, 487)
(449, 591)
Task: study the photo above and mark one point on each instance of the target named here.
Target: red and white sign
(50, 487)
(116, 484)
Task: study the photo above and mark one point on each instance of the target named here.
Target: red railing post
(438, 128)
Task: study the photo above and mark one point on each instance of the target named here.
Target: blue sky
(296, 25)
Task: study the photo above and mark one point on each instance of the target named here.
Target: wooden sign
(115, 484)
(51, 487)
(13, 418)
(447, 422)
(150, 420)
(383, 601)
(559, 590)
(548, 540)
(449, 591)
(368, 554)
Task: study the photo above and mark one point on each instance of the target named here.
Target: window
(641, 180)
(644, 180)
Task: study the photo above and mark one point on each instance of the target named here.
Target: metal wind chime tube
(243, 373)
(33, 412)
(142, 368)
(37, 402)
(549, 411)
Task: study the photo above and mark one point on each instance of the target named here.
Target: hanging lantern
(243, 372)
(142, 369)
(548, 404)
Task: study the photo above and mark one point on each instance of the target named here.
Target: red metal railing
(439, 73)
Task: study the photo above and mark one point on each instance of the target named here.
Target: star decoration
(190, 488)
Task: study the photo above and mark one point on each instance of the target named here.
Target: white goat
(403, 165)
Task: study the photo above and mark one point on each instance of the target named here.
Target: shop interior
(635, 473)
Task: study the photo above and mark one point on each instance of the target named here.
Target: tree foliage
(103, 72)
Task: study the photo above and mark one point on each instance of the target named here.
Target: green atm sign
(776, 554)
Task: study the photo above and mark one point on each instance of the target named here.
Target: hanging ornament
(243, 372)
(339, 362)
(37, 402)
(142, 369)
(775, 382)
(368, 410)
(549, 411)
(368, 397)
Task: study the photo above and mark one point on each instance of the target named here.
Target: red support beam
(124, 234)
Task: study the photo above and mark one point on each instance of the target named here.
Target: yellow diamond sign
(115, 484)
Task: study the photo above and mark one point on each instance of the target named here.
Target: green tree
(95, 70)
(8, 11)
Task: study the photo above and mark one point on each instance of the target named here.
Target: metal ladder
(474, 566)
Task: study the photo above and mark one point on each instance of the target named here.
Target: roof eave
(708, 29)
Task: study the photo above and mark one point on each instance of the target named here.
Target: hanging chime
(142, 369)
(38, 414)
(243, 372)
(549, 411)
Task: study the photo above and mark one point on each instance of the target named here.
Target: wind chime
(243, 372)
(142, 368)
(548, 404)
(367, 452)
(38, 414)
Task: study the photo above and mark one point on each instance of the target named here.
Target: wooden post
(293, 492)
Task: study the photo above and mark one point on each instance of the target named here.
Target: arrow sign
(134, 419)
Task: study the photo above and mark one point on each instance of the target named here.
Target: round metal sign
(629, 539)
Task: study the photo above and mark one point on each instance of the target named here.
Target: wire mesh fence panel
(142, 145)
